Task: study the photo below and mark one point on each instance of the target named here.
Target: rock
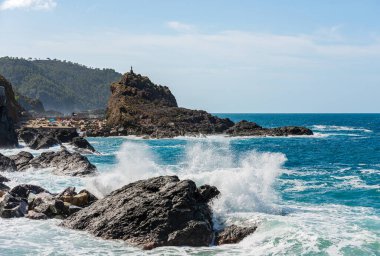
(64, 163)
(42, 141)
(10, 113)
(3, 188)
(65, 135)
(139, 107)
(24, 190)
(36, 215)
(82, 199)
(49, 205)
(12, 207)
(3, 179)
(233, 234)
(7, 164)
(162, 211)
(22, 160)
(245, 128)
(27, 135)
(82, 143)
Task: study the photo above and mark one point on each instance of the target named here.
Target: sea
(308, 195)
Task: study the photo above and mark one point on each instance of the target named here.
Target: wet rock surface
(83, 145)
(161, 211)
(7, 164)
(233, 234)
(64, 163)
(22, 160)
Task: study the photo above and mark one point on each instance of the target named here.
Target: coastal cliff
(9, 113)
(139, 107)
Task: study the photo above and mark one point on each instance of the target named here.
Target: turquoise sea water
(317, 195)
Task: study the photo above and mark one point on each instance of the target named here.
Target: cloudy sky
(221, 56)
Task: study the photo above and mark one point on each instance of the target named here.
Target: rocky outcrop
(42, 138)
(64, 163)
(161, 211)
(8, 110)
(245, 128)
(82, 199)
(82, 145)
(7, 164)
(139, 107)
(14, 110)
(233, 234)
(35, 202)
(3, 188)
(22, 160)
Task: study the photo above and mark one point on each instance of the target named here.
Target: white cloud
(178, 26)
(28, 4)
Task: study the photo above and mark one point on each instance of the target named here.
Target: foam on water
(339, 128)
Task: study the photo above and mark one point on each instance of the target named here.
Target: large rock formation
(9, 113)
(139, 107)
(162, 211)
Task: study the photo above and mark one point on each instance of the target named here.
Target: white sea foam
(339, 128)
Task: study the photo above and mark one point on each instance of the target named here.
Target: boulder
(36, 215)
(3, 179)
(161, 211)
(7, 164)
(24, 190)
(42, 141)
(48, 205)
(64, 163)
(233, 234)
(3, 188)
(12, 207)
(22, 160)
(82, 199)
(83, 144)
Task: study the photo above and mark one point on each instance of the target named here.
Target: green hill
(60, 85)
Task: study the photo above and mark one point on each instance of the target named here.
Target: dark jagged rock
(82, 144)
(3, 179)
(40, 138)
(7, 164)
(8, 137)
(64, 163)
(22, 160)
(3, 188)
(43, 142)
(36, 215)
(13, 109)
(24, 190)
(233, 234)
(245, 128)
(48, 205)
(161, 211)
(12, 207)
(139, 107)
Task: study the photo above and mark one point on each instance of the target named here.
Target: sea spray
(245, 180)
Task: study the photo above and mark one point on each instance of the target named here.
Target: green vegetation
(60, 85)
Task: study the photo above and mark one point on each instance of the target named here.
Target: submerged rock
(7, 164)
(162, 211)
(64, 163)
(233, 234)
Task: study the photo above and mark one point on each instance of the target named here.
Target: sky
(237, 56)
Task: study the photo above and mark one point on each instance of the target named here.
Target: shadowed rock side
(139, 107)
(161, 211)
(9, 111)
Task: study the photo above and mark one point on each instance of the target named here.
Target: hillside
(60, 85)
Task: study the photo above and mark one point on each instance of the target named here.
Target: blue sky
(221, 56)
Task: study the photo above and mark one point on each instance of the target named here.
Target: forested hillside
(60, 85)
